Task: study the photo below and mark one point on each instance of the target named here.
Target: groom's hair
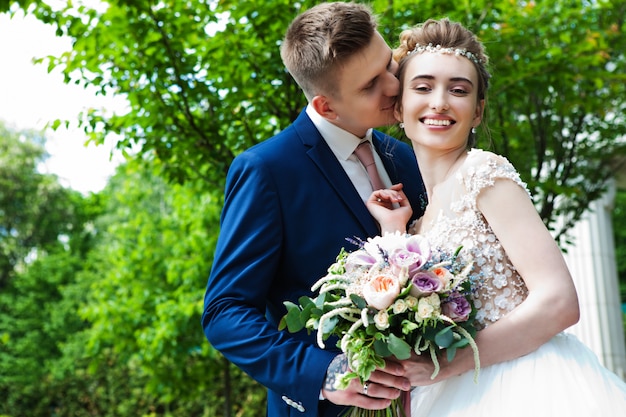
(321, 40)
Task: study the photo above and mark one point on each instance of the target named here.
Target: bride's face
(439, 105)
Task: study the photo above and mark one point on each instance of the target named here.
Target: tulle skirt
(561, 378)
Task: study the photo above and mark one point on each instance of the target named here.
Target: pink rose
(381, 291)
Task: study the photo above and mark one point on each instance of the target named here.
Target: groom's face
(368, 88)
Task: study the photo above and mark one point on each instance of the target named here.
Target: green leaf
(358, 301)
(445, 337)
(292, 319)
(405, 291)
(329, 325)
(399, 347)
(459, 343)
(306, 301)
(450, 353)
(408, 326)
(381, 348)
(372, 330)
(320, 300)
(305, 314)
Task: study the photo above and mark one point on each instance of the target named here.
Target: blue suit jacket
(289, 207)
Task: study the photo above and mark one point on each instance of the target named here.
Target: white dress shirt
(343, 144)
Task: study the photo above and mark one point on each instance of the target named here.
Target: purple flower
(456, 307)
(425, 283)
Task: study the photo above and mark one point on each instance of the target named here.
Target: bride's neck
(437, 167)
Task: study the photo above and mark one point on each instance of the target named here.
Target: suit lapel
(320, 153)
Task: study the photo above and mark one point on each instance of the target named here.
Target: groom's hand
(383, 386)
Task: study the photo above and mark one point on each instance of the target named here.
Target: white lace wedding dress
(562, 378)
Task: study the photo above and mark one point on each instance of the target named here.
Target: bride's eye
(459, 91)
(422, 88)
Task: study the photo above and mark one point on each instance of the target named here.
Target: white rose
(381, 320)
(428, 307)
(399, 307)
(411, 302)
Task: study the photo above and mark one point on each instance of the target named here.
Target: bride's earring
(401, 125)
(473, 131)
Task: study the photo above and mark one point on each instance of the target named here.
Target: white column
(591, 260)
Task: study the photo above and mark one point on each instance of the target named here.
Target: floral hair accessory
(419, 48)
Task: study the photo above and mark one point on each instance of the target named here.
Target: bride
(526, 297)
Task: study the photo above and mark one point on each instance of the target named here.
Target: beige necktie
(365, 154)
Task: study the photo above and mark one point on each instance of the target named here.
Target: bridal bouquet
(393, 296)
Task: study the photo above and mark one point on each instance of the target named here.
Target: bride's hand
(420, 368)
(390, 208)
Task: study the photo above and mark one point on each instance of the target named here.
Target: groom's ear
(323, 107)
(397, 114)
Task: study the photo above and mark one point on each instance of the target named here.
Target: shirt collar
(341, 142)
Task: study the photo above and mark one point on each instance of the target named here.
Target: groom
(291, 202)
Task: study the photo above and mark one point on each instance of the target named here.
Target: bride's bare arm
(552, 303)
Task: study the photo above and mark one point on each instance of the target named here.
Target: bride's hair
(447, 36)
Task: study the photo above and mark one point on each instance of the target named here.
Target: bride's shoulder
(483, 168)
(485, 163)
(482, 158)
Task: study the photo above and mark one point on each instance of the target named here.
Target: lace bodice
(455, 220)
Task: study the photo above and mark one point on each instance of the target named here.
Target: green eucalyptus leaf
(398, 347)
(330, 324)
(359, 302)
(450, 353)
(293, 320)
(445, 337)
(381, 348)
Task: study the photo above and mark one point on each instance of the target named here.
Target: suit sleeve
(245, 265)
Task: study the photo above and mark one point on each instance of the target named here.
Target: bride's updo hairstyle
(443, 36)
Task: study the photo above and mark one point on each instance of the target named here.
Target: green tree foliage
(144, 302)
(43, 241)
(619, 230)
(37, 319)
(108, 324)
(34, 209)
(42, 237)
(204, 80)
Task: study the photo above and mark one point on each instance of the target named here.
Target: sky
(30, 97)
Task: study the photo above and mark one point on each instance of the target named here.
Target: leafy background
(101, 294)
